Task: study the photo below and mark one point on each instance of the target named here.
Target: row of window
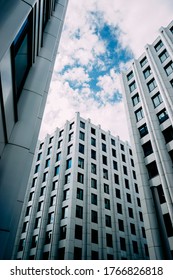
(162, 115)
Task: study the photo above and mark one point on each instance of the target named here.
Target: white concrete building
(148, 94)
(30, 31)
(82, 200)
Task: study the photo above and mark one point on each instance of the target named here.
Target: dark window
(168, 224)
(63, 231)
(59, 144)
(34, 182)
(163, 56)
(68, 163)
(58, 156)
(71, 135)
(141, 216)
(64, 212)
(121, 225)
(94, 216)
(61, 253)
(103, 147)
(162, 116)
(93, 154)
(79, 212)
(116, 179)
(94, 236)
(168, 134)
(105, 173)
(109, 241)
(135, 99)
(147, 72)
(152, 169)
(42, 191)
(61, 133)
(132, 228)
(113, 142)
(71, 125)
(146, 250)
(69, 149)
(25, 227)
(31, 195)
(157, 100)
(171, 29)
(48, 237)
(21, 245)
(28, 211)
(123, 158)
(136, 188)
(78, 232)
(55, 185)
(132, 86)
(130, 76)
(125, 170)
(115, 165)
(66, 194)
(93, 168)
(161, 194)
(67, 178)
(143, 232)
(143, 61)
(106, 188)
(94, 255)
(81, 162)
(51, 218)
(130, 210)
(81, 135)
(171, 82)
(80, 178)
(119, 208)
(132, 162)
(135, 247)
(139, 114)
(41, 146)
(39, 156)
(77, 253)
(52, 200)
(104, 160)
(108, 221)
(103, 136)
(128, 196)
(45, 175)
(143, 130)
(147, 148)
(118, 193)
(93, 141)
(113, 153)
(93, 183)
(93, 131)
(151, 85)
(37, 168)
(169, 68)
(122, 244)
(81, 149)
(79, 194)
(126, 183)
(34, 241)
(134, 174)
(57, 170)
(93, 199)
(107, 204)
(82, 124)
(158, 46)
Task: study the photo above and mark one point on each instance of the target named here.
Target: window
(79, 212)
(158, 46)
(169, 68)
(42, 191)
(81, 136)
(66, 194)
(105, 173)
(61, 253)
(128, 196)
(116, 179)
(132, 229)
(93, 199)
(143, 232)
(82, 124)
(52, 200)
(115, 165)
(93, 183)
(45, 175)
(141, 216)
(94, 255)
(136, 188)
(119, 208)
(77, 253)
(135, 99)
(25, 227)
(122, 244)
(162, 116)
(134, 174)
(168, 224)
(171, 82)
(67, 178)
(117, 193)
(81, 162)
(103, 136)
(71, 125)
(125, 170)
(47, 163)
(57, 170)
(79, 194)
(113, 142)
(163, 56)
(40, 206)
(147, 72)
(139, 114)
(107, 204)
(168, 134)
(109, 241)
(31, 196)
(130, 76)
(103, 147)
(121, 225)
(122, 147)
(71, 135)
(104, 160)
(28, 211)
(48, 237)
(41, 146)
(93, 131)
(51, 218)
(108, 221)
(135, 247)
(34, 182)
(132, 86)
(78, 232)
(94, 216)
(34, 241)
(113, 153)
(80, 178)
(69, 163)
(147, 148)
(64, 212)
(61, 133)
(39, 156)
(94, 236)
(37, 168)
(143, 61)
(106, 188)
(21, 245)
(126, 183)
(143, 130)
(157, 100)
(93, 141)
(132, 162)
(59, 144)
(81, 148)
(151, 85)
(130, 210)
(171, 29)
(69, 149)
(93, 154)
(152, 169)
(63, 232)
(22, 52)
(93, 168)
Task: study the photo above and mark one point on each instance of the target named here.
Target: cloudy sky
(99, 40)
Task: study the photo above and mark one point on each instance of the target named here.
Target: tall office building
(82, 199)
(148, 90)
(30, 31)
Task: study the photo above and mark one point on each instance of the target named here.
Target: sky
(100, 39)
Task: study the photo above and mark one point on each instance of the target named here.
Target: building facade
(148, 94)
(30, 31)
(82, 200)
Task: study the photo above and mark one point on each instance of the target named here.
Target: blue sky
(99, 40)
